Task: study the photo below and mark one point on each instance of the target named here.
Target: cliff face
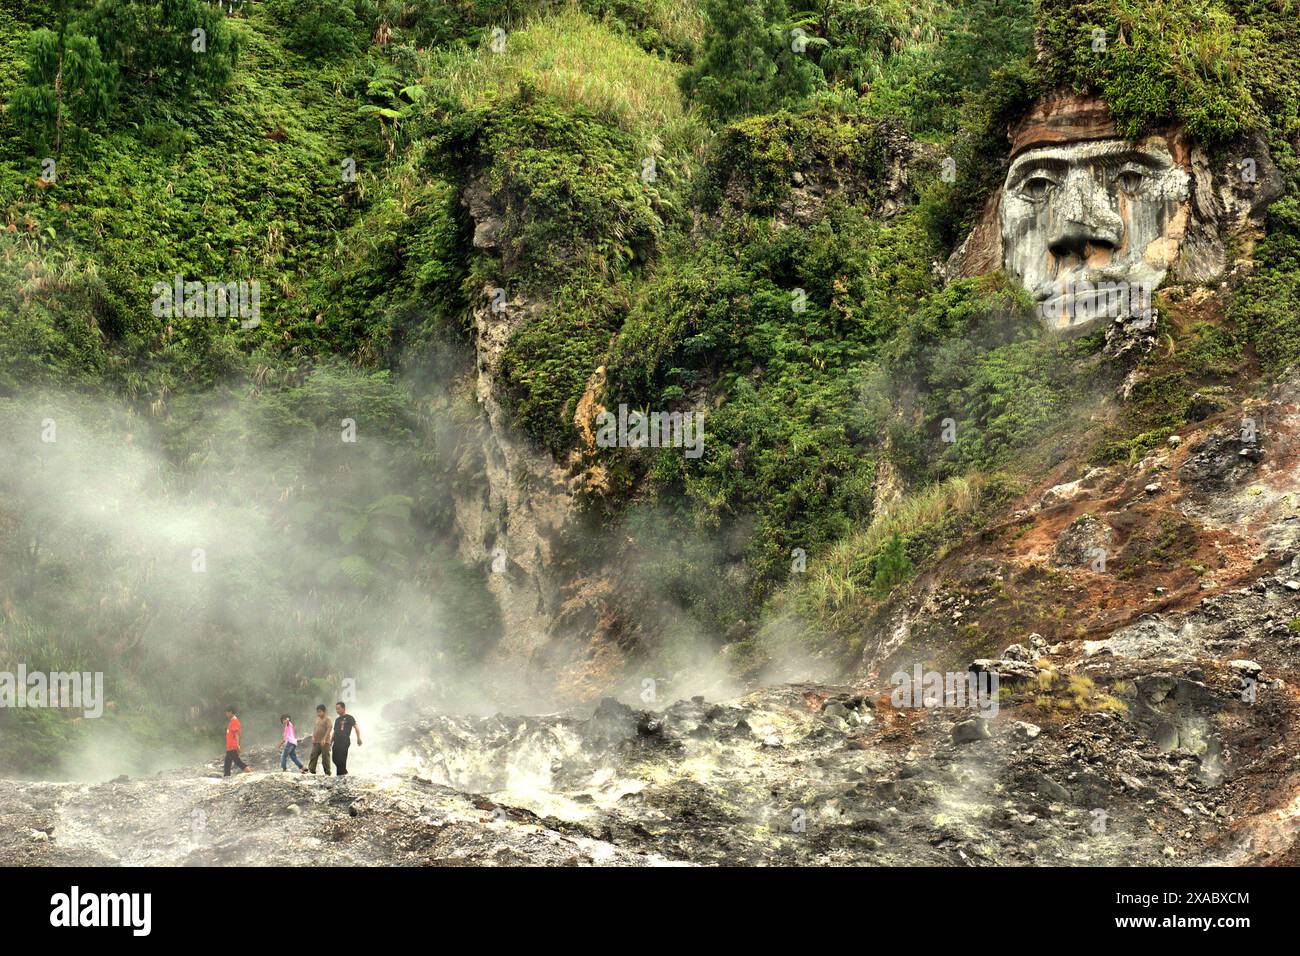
(512, 521)
(527, 517)
(527, 491)
(517, 518)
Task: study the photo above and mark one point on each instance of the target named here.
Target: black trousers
(340, 759)
(232, 759)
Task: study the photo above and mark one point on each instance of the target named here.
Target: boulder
(1026, 731)
(1082, 539)
(1246, 668)
(1008, 671)
(969, 731)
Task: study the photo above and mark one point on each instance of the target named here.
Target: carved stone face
(1091, 223)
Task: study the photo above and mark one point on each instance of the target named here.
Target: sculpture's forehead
(1152, 151)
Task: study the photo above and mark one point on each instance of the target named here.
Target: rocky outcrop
(1166, 672)
(881, 168)
(513, 520)
(521, 515)
(1227, 208)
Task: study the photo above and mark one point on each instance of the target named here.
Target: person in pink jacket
(290, 751)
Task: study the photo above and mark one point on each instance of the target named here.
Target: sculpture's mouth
(1085, 296)
(1073, 284)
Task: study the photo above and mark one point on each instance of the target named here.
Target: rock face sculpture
(1091, 223)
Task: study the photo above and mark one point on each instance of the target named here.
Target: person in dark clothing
(344, 724)
(233, 734)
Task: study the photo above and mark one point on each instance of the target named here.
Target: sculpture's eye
(1129, 180)
(1037, 187)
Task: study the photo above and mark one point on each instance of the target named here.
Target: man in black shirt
(344, 724)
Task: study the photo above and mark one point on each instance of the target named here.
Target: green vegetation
(893, 566)
(1265, 309)
(697, 196)
(575, 60)
(753, 59)
(67, 90)
(1186, 60)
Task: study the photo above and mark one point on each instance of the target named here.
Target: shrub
(893, 566)
(68, 90)
(1165, 61)
(184, 45)
(320, 28)
(747, 65)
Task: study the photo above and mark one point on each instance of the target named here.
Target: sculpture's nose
(1084, 221)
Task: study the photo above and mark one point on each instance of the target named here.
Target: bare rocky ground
(1185, 772)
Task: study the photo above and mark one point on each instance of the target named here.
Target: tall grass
(579, 61)
(845, 573)
(1204, 41)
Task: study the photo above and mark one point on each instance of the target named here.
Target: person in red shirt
(232, 744)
